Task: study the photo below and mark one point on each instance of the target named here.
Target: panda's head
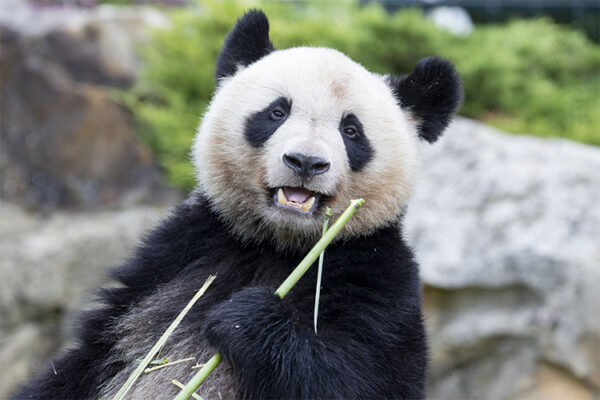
(289, 132)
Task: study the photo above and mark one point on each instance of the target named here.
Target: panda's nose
(306, 166)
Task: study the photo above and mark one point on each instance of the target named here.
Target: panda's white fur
(323, 85)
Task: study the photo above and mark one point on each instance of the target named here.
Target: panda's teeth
(281, 199)
(307, 205)
(292, 204)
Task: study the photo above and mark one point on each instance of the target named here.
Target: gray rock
(65, 141)
(49, 268)
(23, 351)
(95, 45)
(50, 263)
(507, 231)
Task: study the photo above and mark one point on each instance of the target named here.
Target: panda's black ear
(247, 42)
(431, 93)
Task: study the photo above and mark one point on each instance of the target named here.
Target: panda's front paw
(238, 325)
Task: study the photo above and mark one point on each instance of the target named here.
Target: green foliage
(531, 77)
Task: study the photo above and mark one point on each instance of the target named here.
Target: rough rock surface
(507, 229)
(65, 141)
(48, 268)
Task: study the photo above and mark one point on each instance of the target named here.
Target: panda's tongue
(297, 195)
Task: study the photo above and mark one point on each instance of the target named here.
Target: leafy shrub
(531, 77)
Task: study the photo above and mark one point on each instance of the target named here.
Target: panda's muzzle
(297, 199)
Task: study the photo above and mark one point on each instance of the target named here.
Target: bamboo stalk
(161, 341)
(168, 364)
(180, 386)
(312, 255)
(283, 289)
(200, 376)
(320, 270)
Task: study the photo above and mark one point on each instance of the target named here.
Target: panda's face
(295, 131)
(299, 130)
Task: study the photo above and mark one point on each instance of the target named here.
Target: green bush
(531, 77)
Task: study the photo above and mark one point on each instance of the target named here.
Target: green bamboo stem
(312, 255)
(181, 386)
(283, 289)
(200, 376)
(160, 343)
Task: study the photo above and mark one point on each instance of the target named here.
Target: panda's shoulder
(384, 257)
(184, 235)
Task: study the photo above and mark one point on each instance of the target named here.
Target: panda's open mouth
(296, 199)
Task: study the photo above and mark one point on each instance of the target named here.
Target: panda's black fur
(371, 341)
(432, 92)
(246, 43)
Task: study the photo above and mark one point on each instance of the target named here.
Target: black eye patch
(262, 124)
(357, 145)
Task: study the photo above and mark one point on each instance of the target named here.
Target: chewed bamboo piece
(283, 289)
(169, 364)
(320, 270)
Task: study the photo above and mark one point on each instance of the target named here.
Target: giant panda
(287, 134)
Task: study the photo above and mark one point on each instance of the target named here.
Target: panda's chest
(138, 330)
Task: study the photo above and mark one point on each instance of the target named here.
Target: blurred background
(99, 102)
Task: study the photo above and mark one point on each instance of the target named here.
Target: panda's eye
(351, 131)
(278, 114)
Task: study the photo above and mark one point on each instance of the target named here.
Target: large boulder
(507, 230)
(49, 267)
(65, 141)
